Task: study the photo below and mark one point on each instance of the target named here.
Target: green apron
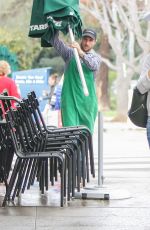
(78, 109)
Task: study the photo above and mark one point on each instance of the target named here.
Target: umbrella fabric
(56, 5)
(49, 16)
(38, 24)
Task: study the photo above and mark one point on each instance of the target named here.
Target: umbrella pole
(85, 89)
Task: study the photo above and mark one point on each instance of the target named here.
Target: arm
(64, 51)
(143, 83)
(91, 59)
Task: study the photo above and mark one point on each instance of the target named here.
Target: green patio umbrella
(48, 16)
(51, 15)
(61, 14)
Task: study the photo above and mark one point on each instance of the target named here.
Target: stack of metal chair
(45, 154)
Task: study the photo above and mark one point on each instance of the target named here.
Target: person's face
(52, 81)
(87, 43)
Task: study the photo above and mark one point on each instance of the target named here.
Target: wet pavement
(126, 178)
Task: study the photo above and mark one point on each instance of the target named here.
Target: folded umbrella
(51, 15)
(48, 16)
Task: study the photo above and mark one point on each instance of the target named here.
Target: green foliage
(48, 57)
(47, 53)
(24, 48)
(110, 113)
(113, 101)
(112, 76)
(10, 57)
(56, 63)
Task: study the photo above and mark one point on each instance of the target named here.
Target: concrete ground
(126, 178)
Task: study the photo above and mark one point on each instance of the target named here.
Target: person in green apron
(76, 108)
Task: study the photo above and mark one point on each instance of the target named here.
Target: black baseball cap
(89, 33)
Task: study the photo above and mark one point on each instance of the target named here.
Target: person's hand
(77, 46)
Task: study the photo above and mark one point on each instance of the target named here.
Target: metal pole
(100, 149)
(97, 191)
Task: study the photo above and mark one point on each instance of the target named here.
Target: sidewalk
(126, 177)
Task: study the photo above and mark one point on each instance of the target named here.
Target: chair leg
(21, 177)
(11, 182)
(27, 175)
(69, 176)
(52, 171)
(62, 185)
(46, 174)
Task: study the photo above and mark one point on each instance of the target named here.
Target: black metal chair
(57, 139)
(38, 139)
(82, 131)
(73, 143)
(32, 160)
(6, 150)
(23, 166)
(31, 141)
